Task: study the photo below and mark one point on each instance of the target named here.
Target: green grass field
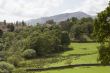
(82, 48)
(80, 70)
(82, 53)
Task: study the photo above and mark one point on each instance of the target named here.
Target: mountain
(58, 18)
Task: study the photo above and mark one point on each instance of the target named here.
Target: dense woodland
(46, 38)
(22, 41)
(19, 41)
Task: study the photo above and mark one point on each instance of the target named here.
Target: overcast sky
(12, 10)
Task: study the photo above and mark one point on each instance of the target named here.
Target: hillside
(59, 18)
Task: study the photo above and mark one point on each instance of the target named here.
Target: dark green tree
(4, 22)
(102, 33)
(50, 22)
(65, 40)
(10, 27)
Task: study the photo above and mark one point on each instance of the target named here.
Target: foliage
(76, 28)
(102, 25)
(6, 67)
(19, 70)
(44, 40)
(50, 22)
(69, 61)
(10, 27)
(1, 33)
(104, 54)
(102, 33)
(65, 40)
(14, 59)
(29, 53)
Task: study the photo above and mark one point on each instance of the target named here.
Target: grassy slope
(84, 53)
(89, 49)
(82, 48)
(81, 70)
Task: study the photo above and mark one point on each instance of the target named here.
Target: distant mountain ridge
(59, 18)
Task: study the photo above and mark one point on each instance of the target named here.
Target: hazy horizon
(13, 10)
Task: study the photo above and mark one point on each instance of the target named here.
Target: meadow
(81, 53)
(80, 70)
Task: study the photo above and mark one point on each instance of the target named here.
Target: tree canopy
(102, 33)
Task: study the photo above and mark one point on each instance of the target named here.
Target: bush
(104, 54)
(14, 60)
(69, 61)
(29, 53)
(19, 70)
(35, 63)
(6, 67)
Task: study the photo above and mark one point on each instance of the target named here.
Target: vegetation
(50, 44)
(6, 67)
(78, 28)
(29, 53)
(102, 33)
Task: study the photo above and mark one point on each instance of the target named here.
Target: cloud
(68, 11)
(13, 10)
(26, 9)
(93, 6)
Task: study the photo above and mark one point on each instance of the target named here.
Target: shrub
(19, 70)
(29, 53)
(104, 55)
(36, 63)
(14, 60)
(6, 67)
(69, 61)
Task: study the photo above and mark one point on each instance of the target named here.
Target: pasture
(81, 53)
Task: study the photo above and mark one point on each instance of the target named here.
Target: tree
(17, 23)
(50, 22)
(66, 25)
(73, 20)
(65, 40)
(87, 20)
(102, 33)
(4, 22)
(77, 32)
(1, 33)
(10, 27)
(45, 42)
(23, 23)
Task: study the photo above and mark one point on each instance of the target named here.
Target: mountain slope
(58, 18)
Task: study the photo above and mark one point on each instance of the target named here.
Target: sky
(13, 10)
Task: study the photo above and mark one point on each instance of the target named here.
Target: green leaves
(102, 25)
(102, 33)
